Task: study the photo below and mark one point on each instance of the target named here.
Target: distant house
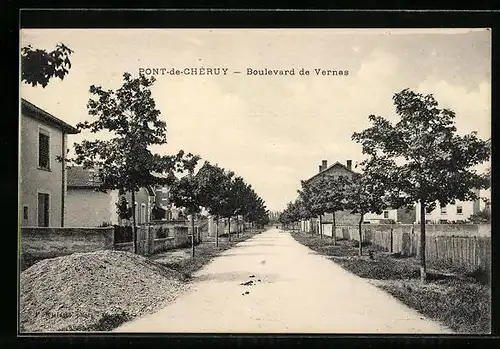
(343, 217)
(460, 211)
(43, 140)
(389, 215)
(88, 207)
(162, 200)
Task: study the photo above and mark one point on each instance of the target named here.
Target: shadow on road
(245, 254)
(265, 245)
(238, 276)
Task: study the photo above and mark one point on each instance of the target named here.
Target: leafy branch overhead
(419, 159)
(130, 117)
(422, 159)
(39, 66)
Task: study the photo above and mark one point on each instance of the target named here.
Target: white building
(42, 181)
(87, 207)
(460, 211)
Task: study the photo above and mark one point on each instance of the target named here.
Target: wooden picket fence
(469, 251)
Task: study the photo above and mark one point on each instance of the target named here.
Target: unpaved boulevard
(294, 290)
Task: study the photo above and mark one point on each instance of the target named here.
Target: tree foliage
(422, 158)
(223, 194)
(364, 194)
(122, 208)
(214, 185)
(130, 120)
(436, 164)
(39, 66)
(481, 217)
(129, 115)
(186, 193)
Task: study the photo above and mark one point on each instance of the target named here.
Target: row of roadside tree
(128, 118)
(129, 124)
(419, 158)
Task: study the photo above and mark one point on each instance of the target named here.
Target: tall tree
(364, 194)
(132, 122)
(231, 205)
(306, 196)
(214, 185)
(256, 209)
(240, 194)
(186, 193)
(329, 196)
(122, 209)
(39, 66)
(424, 159)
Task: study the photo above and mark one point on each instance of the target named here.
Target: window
(443, 210)
(25, 212)
(459, 209)
(43, 150)
(143, 213)
(43, 210)
(386, 214)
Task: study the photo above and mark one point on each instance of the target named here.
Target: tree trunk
(229, 229)
(134, 225)
(320, 227)
(334, 232)
(237, 227)
(423, 271)
(360, 234)
(192, 234)
(217, 231)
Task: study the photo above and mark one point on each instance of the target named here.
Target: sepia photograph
(244, 180)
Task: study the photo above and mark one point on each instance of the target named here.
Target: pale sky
(273, 130)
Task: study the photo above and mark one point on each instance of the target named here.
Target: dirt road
(291, 289)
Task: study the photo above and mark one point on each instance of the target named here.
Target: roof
(329, 168)
(32, 110)
(78, 177)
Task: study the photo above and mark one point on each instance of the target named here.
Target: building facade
(88, 207)
(42, 187)
(459, 212)
(162, 200)
(343, 217)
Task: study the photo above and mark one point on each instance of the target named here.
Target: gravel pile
(94, 291)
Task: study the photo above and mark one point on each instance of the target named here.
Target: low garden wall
(158, 237)
(37, 243)
(40, 243)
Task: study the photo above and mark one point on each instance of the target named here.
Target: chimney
(349, 164)
(323, 164)
(319, 168)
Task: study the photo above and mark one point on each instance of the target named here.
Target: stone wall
(39, 243)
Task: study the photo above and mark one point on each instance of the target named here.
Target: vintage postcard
(332, 181)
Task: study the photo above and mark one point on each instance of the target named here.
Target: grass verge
(459, 300)
(204, 253)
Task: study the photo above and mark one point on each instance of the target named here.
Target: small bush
(161, 233)
(123, 233)
(355, 243)
(480, 275)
